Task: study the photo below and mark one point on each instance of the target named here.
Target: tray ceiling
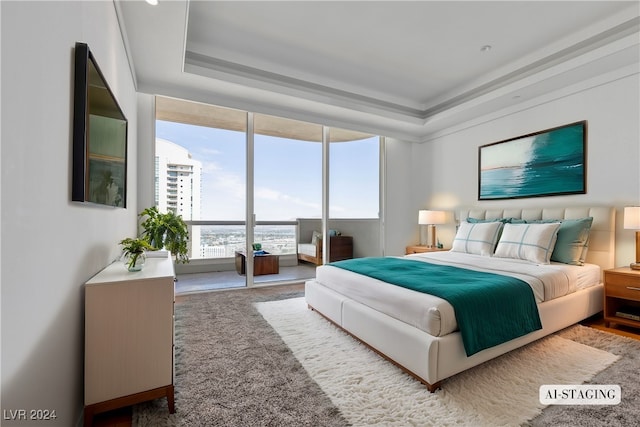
(404, 69)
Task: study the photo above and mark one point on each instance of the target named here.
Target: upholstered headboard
(601, 238)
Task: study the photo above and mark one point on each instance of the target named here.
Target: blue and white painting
(546, 163)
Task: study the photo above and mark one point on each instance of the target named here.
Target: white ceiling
(404, 69)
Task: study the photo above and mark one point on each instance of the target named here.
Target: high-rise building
(178, 185)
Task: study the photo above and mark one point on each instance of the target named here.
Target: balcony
(214, 243)
(212, 254)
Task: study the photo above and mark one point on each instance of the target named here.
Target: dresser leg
(88, 416)
(171, 399)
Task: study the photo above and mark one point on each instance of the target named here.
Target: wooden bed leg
(433, 387)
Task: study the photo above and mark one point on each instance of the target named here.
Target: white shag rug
(372, 391)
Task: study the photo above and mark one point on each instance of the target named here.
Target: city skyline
(222, 241)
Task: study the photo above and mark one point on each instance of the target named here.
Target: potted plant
(134, 253)
(166, 231)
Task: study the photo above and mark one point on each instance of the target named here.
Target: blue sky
(288, 174)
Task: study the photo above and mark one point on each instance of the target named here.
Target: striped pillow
(477, 238)
(530, 242)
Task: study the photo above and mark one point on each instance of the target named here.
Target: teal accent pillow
(480, 221)
(502, 220)
(573, 240)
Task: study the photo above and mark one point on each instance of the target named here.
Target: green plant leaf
(166, 230)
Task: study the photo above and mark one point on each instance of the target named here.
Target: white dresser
(129, 337)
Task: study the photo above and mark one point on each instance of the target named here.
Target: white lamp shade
(632, 217)
(426, 217)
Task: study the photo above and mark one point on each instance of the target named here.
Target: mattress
(435, 315)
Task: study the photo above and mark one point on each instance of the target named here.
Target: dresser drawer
(622, 286)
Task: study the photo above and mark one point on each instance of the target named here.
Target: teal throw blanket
(490, 308)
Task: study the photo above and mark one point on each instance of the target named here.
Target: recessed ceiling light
(485, 48)
(152, 2)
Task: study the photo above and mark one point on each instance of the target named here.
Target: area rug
(233, 369)
(371, 391)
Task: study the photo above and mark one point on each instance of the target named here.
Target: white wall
(400, 203)
(146, 150)
(51, 246)
(449, 179)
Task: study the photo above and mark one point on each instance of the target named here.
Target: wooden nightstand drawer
(622, 286)
(624, 277)
(626, 292)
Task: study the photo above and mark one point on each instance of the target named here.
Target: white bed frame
(432, 359)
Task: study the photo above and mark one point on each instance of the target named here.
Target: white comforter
(435, 315)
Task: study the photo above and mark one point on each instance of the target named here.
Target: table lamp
(430, 219)
(632, 222)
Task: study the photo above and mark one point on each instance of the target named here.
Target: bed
(421, 333)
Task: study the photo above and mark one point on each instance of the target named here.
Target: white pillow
(477, 238)
(531, 242)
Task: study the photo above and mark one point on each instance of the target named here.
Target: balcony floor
(203, 282)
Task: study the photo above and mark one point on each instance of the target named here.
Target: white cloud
(275, 195)
(209, 151)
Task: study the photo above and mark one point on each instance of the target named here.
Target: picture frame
(99, 162)
(551, 162)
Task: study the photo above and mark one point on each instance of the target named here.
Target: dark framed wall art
(99, 137)
(551, 162)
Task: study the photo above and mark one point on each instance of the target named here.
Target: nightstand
(416, 249)
(622, 297)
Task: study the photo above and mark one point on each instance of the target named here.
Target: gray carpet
(232, 369)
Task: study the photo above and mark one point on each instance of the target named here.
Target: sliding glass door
(287, 186)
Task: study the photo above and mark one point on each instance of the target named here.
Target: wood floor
(122, 417)
(117, 418)
(597, 322)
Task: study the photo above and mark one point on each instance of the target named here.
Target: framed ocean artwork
(551, 162)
